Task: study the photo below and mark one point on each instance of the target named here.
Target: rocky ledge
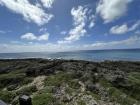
(70, 82)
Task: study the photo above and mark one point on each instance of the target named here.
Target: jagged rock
(89, 100)
(111, 75)
(5, 69)
(66, 98)
(78, 74)
(86, 76)
(91, 67)
(43, 70)
(92, 87)
(12, 87)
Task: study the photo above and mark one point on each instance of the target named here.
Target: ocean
(90, 55)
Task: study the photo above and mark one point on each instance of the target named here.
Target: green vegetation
(18, 79)
(27, 90)
(117, 95)
(9, 79)
(60, 78)
(134, 80)
(81, 102)
(68, 82)
(43, 99)
(7, 96)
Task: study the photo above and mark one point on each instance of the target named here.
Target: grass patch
(58, 79)
(43, 99)
(117, 95)
(14, 78)
(7, 96)
(81, 102)
(95, 95)
(10, 79)
(27, 90)
(120, 97)
(134, 80)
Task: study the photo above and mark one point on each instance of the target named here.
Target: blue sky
(67, 25)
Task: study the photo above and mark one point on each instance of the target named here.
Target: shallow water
(92, 55)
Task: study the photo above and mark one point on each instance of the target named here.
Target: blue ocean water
(91, 55)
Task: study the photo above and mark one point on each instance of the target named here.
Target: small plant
(27, 90)
(44, 99)
(7, 96)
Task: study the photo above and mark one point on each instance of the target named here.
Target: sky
(68, 25)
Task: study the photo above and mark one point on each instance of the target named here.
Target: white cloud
(63, 42)
(2, 32)
(79, 15)
(30, 12)
(122, 29)
(135, 26)
(92, 21)
(119, 29)
(47, 3)
(76, 33)
(43, 29)
(5, 31)
(63, 32)
(44, 37)
(126, 43)
(131, 42)
(91, 25)
(110, 10)
(31, 36)
(34, 47)
(137, 32)
(80, 18)
(79, 22)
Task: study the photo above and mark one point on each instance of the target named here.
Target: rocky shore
(70, 82)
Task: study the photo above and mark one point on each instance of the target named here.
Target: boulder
(42, 70)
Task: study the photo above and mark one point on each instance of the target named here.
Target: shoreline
(62, 59)
(89, 55)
